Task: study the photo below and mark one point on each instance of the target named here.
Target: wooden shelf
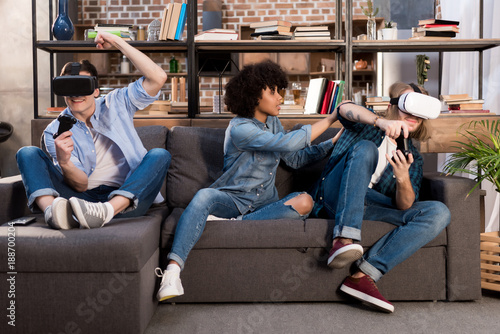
(408, 45)
(89, 46)
(271, 46)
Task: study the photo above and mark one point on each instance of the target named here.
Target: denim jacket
(113, 117)
(252, 153)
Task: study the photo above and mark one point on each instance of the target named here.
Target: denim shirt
(387, 183)
(252, 153)
(113, 118)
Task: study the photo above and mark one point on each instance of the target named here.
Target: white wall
(16, 82)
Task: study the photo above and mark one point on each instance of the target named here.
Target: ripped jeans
(211, 201)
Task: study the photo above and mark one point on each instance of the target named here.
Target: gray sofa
(103, 280)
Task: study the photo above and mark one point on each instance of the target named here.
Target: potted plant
(371, 28)
(479, 153)
(389, 32)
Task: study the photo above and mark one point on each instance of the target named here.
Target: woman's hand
(337, 136)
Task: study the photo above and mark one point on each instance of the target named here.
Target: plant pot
(389, 33)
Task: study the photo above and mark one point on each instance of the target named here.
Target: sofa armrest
(463, 263)
(13, 201)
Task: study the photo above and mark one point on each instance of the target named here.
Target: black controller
(65, 123)
(402, 144)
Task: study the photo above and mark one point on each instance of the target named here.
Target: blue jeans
(349, 200)
(141, 187)
(211, 201)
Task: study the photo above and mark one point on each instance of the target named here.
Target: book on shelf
(167, 15)
(455, 97)
(272, 33)
(438, 21)
(217, 34)
(182, 22)
(472, 111)
(311, 33)
(311, 28)
(430, 33)
(174, 21)
(111, 27)
(315, 94)
(273, 37)
(303, 38)
(268, 23)
(323, 96)
(440, 28)
(291, 109)
(272, 28)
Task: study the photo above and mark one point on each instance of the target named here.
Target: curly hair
(245, 89)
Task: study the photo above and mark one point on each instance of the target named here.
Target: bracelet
(375, 121)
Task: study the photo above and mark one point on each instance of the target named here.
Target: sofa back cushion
(197, 161)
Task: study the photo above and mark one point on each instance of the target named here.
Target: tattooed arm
(359, 114)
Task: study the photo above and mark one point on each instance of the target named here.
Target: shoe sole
(62, 217)
(369, 300)
(168, 296)
(344, 257)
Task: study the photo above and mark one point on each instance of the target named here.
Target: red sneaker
(341, 255)
(364, 289)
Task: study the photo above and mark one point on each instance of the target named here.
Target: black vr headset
(74, 84)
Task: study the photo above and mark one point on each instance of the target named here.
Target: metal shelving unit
(338, 46)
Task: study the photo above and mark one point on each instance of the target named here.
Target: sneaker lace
(96, 210)
(158, 272)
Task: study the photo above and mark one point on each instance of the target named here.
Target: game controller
(65, 124)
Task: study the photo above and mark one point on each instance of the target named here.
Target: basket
(490, 261)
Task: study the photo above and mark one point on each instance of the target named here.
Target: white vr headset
(420, 105)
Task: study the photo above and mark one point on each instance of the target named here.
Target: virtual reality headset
(419, 105)
(74, 84)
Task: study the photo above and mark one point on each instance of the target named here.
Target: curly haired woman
(254, 144)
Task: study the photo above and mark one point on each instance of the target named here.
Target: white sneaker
(59, 215)
(170, 285)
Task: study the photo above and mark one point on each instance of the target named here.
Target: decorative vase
(62, 28)
(371, 29)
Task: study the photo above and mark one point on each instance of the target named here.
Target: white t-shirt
(387, 146)
(111, 166)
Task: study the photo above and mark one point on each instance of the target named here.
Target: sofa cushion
(278, 233)
(123, 245)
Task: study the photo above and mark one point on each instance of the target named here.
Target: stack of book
(378, 104)
(463, 103)
(217, 34)
(436, 29)
(272, 30)
(173, 22)
(312, 32)
(323, 96)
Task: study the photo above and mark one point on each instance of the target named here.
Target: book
(165, 23)
(437, 21)
(272, 33)
(472, 111)
(182, 22)
(111, 27)
(311, 28)
(270, 23)
(272, 28)
(429, 33)
(441, 28)
(273, 37)
(457, 97)
(311, 33)
(302, 38)
(174, 21)
(339, 94)
(315, 95)
(217, 35)
(327, 99)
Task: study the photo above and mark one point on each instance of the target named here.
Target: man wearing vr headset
(99, 168)
(367, 178)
